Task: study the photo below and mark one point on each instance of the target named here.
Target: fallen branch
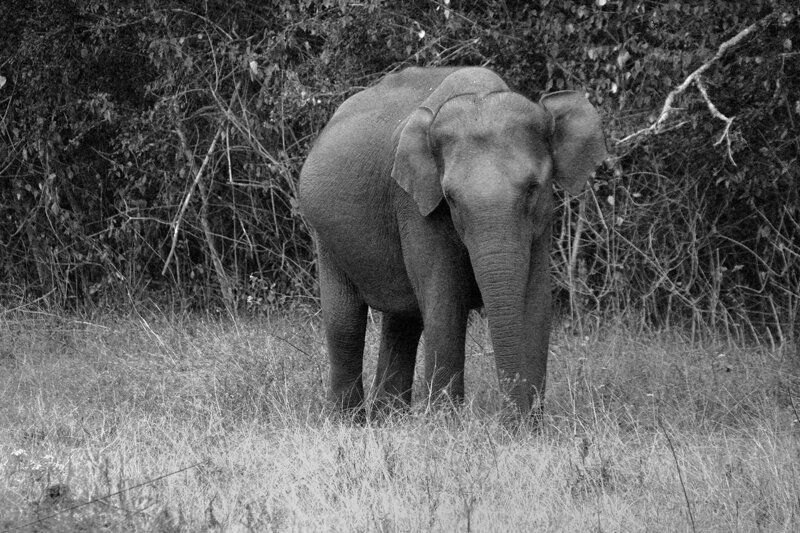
(695, 78)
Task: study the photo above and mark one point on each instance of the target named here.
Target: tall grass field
(145, 423)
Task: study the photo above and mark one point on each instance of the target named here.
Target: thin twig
(101, 498)
(290, 343)
(573, 257)
(680, 475)
(794, 409)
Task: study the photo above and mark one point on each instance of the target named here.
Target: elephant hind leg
(394, 376)
(345, 316)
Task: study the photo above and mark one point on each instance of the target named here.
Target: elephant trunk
(502, 274)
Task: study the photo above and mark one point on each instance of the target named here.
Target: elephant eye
(531, 188)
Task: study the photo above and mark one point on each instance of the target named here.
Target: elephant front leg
(345, 315)
(394, 376)
(445, 332)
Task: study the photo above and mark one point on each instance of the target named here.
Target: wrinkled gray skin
(431, 194)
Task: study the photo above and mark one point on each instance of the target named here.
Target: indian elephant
(431, 194)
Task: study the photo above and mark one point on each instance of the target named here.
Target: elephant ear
(577, 140)
(415, 168)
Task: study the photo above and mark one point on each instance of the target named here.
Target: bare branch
(716, 113)
(695, 78)
(198, 174)
(224, 281)
(176, 224)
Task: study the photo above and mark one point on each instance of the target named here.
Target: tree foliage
(153, 148)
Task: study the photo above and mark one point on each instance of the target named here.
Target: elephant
(430, 194)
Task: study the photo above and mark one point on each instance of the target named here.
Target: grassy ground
(222, 424)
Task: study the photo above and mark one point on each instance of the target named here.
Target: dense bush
(126, 124)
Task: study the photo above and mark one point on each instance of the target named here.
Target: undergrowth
(195, 423)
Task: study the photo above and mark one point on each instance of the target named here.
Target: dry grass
(93, 406)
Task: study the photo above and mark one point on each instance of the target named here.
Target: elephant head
(492, 155)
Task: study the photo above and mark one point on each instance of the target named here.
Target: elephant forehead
(505, 113)
(505, 131)
(472, 80)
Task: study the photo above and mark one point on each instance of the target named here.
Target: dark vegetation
(126, 123)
